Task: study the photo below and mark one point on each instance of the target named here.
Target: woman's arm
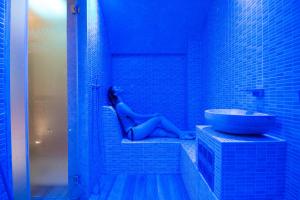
(129, 112)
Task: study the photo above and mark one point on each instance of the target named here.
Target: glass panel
(18, 98)
(47, 98)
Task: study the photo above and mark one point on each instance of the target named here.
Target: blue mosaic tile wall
(5, 148)
(195, 76)
(256, 44)
(152, 27)
(93, 81)
(159, 81)
(155, 57)
(100, 80)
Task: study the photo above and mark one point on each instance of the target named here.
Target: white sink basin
(239, 121)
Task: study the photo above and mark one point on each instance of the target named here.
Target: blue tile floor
(125, 187)
(49, 193)
(141, 187)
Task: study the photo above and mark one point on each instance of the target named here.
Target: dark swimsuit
(130, 134)
(127, 124)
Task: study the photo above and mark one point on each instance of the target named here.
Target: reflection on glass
(47, 96)
(48, 9)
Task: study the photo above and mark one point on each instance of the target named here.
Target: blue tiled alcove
(213, 51)
(229, 47)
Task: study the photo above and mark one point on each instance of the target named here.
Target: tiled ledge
(152, 140)
(228, 138)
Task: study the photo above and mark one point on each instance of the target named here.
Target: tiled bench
(153, 155)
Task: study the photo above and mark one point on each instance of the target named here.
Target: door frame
(72, 101)
(19, 97)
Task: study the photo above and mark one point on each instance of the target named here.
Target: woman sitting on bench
(136, 131)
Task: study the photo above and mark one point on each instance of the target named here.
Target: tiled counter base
(196, 186)
(237, 167)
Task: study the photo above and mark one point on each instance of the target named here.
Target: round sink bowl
(237, 121)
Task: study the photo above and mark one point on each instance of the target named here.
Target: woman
(151, 123)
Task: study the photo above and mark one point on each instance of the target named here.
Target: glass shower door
(47, 98)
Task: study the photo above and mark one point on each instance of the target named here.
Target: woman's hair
(112, 97)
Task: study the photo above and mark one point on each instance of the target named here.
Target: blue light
(49, 9)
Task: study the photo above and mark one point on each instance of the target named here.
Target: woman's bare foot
(187, 135)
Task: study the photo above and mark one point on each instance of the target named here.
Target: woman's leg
(147, 128)
(162, 133)
(170, 127)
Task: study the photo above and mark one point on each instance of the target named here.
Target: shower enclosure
(49, 146)
(47, 95)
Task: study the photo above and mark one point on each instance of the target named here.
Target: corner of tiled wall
(256, 44)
